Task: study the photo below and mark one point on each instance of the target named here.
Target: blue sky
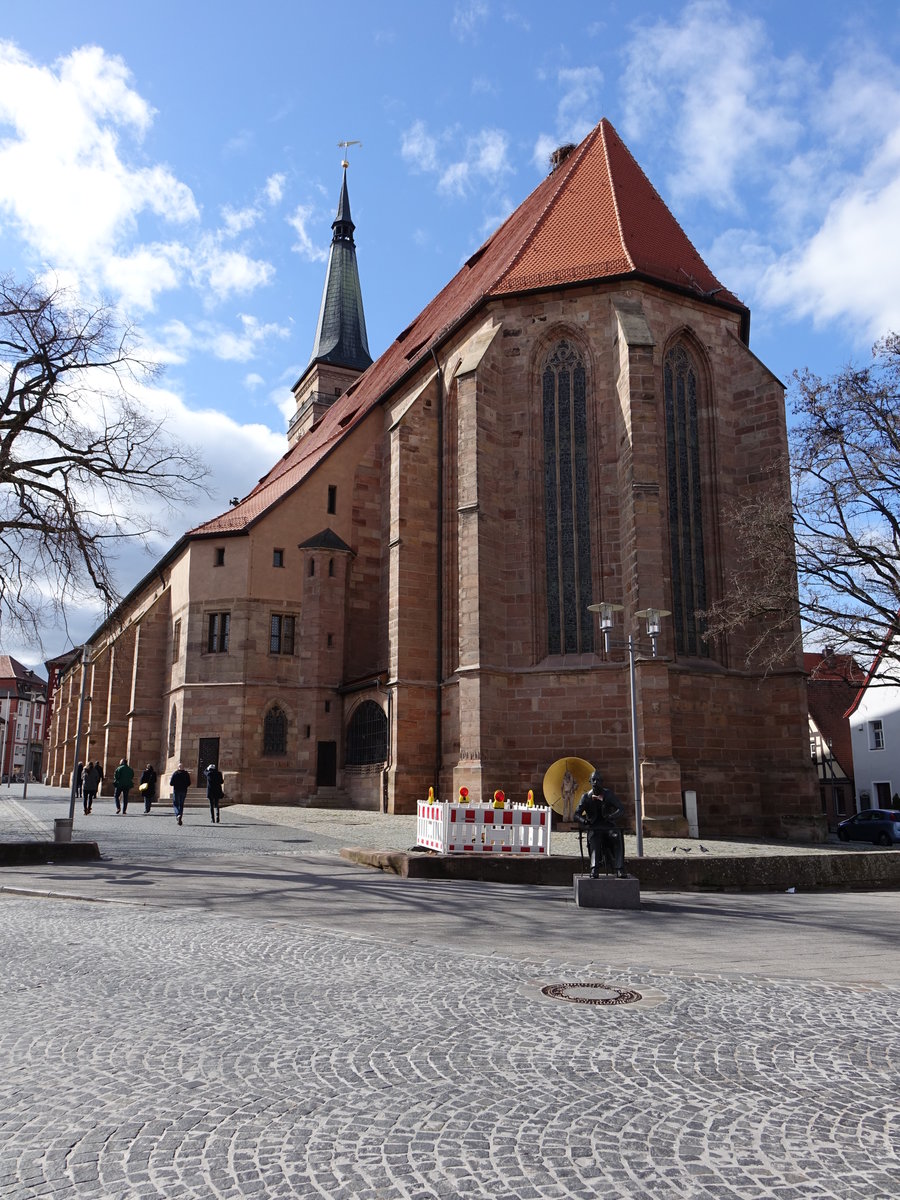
(182, 161)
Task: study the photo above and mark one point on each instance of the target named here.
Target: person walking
(214, 791)
(79, 777)
(123, 780)
(147, 786)
(90, 783)
(180, 782)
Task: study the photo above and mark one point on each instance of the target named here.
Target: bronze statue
(597, 812)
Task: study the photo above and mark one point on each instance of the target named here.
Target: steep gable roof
(595, 217)
(873, 671)
(832, 683)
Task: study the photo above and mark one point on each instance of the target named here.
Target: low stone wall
(776, 873)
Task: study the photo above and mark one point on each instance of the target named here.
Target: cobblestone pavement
(275, 1024)
(148, 1053)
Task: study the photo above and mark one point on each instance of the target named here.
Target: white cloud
(62, 136)
(848, 269)
(242, 345)
(810, 147)
(229, 272)
(138, 276)
(419, 148)
(512, 16)
(274, 188)
(237, 220)
(576, 111)
(304, 244)
(468, 17)
(253, 381)
(485, 156)
(726, 114)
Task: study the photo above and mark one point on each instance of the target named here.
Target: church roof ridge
(595, 216)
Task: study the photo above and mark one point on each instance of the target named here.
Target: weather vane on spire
(344, 146)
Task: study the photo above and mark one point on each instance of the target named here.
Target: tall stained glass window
(566, 502)
(684, 496)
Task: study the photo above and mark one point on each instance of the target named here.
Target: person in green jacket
(123, 779)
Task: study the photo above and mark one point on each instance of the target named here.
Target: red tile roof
(596, 216)
(833, 682)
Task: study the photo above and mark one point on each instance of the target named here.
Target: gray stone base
(607, 892)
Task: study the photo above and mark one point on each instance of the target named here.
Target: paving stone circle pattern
(147, 1053)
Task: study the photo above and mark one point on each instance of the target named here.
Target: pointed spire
(342, 225)
(341, 332)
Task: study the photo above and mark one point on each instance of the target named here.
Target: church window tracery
(682, 388)
(566, 501)
(275, 731)
(367, 735)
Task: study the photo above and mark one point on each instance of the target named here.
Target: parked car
(881, 826)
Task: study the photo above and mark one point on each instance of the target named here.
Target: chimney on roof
(829, 651)
(560, 154)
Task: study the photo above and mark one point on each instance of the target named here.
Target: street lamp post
(607, 620)
(32, 698)
(85, 658)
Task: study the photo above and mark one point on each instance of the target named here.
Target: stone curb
(867, 871)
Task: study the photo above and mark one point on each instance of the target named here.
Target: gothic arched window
(566, 501)
(173, 723)
(275, 731)
(684, 495)
(367, 735)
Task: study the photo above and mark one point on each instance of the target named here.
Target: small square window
(332, 498)
(331, 639)
(277, 558)
(309, 731)
(220, 556)
(328, 706)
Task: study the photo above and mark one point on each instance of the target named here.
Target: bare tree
(81, 458)
(841, 524)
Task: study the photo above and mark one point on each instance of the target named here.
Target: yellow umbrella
(564, 783)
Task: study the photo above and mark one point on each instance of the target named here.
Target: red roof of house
(869, 676)
(11, 668)
(596, 216)
(833, 681)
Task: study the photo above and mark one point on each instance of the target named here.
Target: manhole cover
(591, 993)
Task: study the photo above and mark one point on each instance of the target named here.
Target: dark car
(880, 826)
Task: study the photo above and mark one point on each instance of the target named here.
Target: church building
(403, 600)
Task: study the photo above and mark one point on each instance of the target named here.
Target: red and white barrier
(480, 829)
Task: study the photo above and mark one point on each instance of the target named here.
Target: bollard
(62, 829)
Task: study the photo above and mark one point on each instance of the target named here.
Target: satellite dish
(564, 783)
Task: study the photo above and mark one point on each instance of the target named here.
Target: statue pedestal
(607, 892)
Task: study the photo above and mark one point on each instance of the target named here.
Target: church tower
(341, 348)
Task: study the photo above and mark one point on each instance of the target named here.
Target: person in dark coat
(214, 790)
(180, 782)
(147, 786)
(123, 780)
(79, 776)
(90, 784)
(597, 813)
